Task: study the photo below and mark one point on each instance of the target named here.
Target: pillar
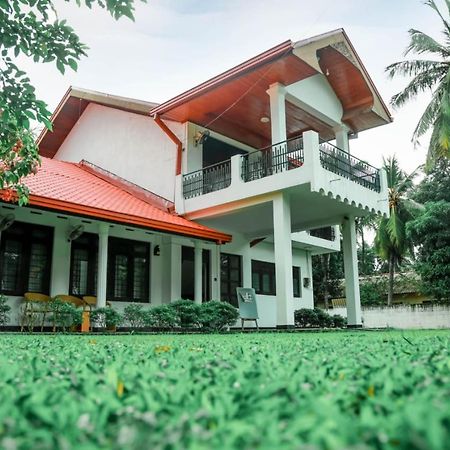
(351, 273)
(60, 274)
(342, 139)
(198, 285)
(215, 272)
(277, 95)
(283, 260)
(103, 231)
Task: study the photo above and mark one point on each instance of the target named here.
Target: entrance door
(188, 274)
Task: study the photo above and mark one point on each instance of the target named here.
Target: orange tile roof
(64, 186)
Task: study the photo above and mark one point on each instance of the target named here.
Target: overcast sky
(176, 44)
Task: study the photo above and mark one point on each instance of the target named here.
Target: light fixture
(156, 251)
(264, 119)
(200, 137)
(75, 232)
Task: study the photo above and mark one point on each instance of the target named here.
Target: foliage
(429, 74)
(430, 232)
(306, 318)
(346, 390)
(65, 315)
(328, 271)
(436, 184)
(134, 315)
(373, 292)
(217, 315)
(33, 29)
(162, 316)
(106, 317)
(188, 313)
(4, 310)
(391, 241)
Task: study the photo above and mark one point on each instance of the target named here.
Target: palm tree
(429, 74)
(391, 243)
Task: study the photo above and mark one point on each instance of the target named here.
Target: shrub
(373, 292)
(305, 318)
(339, 321)
(324, 320)
(4, 310)
(134, 315)
(188, 313)
(106, 317)
(65, 315)
(162, 316)
(216, 315)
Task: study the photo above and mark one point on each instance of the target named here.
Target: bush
(188, 313)
(324, 320)
(134, 316)
(106, 317)
(216, 315)
(65, 315)
(163, 316)
(339, 321)
(373, 292)
(305, 318)
(4, 310)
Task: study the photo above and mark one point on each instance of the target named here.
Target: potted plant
(106, 318)
(4, 311)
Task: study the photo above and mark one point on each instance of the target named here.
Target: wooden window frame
(261, 268)
(231, 295)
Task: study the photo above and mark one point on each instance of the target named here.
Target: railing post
(236, 163)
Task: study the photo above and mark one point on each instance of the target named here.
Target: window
(25, 259)
(230, 277)
(188, 275)
(128, 270)
(297, 281)
(263, 277)
(83, 265)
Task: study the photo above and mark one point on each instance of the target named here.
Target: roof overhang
(234, 102)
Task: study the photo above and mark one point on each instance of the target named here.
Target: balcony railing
(209, 179)
(327, 233)
(274, 159)
(342, 163)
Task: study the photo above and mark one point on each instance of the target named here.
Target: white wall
(129, 145)
(403, 316)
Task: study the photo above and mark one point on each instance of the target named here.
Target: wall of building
(129, 145)
(403, 316)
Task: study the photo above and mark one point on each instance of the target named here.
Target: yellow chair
(34, 305)
(78, 302)
(90, 301)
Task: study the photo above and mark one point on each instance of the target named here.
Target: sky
(176, 44)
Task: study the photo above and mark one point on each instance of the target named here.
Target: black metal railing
(342, 163)
(209, 179)
(323, 233)
(286, 155)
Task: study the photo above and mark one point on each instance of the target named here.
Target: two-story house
(236, 182)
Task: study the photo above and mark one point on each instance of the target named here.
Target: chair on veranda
(248, 308)
(76, 301)
(91, 301)
(33, 306)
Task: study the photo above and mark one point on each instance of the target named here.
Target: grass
(339, 390)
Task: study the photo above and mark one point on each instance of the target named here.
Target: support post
(342, 139)
(283, 260)
(198, 253)
(351, 273)
(277, 95)
(103, 231)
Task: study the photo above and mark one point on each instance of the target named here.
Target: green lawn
(337, 390)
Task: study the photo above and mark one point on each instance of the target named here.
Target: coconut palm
(391, 242)
(429, 74)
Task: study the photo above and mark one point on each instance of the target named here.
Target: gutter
(173, 138)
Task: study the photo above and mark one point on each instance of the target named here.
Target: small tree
(4, 310)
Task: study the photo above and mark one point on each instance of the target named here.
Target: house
(236, 182)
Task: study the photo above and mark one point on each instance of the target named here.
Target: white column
(103, 230)
(351, 273)
(277, 94)
(198, 253)
(60, 274)
(342, 139)
(215, 273)
(283, 260)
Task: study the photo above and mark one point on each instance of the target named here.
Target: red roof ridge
(137, 191)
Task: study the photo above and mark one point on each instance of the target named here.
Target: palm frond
(423, 43)
(395, 229)
(382, 242)
(429, 116)
(432, 4)
(420, 83)
(411, 68)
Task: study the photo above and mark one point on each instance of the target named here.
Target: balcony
(302, 166)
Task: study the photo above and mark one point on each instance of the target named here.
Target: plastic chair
(248, 308)
(34, 304)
